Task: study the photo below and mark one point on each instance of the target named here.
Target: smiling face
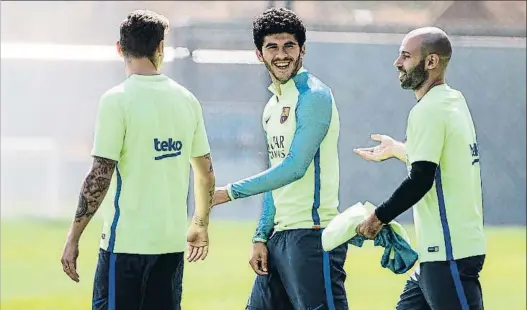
(282, 55)
(411, 64)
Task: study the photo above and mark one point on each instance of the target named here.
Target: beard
(415, 78)
(284, 76)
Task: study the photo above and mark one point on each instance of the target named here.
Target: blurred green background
(32, 277)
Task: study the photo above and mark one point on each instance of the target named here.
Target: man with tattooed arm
(147, 131)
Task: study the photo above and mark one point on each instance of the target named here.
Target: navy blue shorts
(301, 274)
(138, 282)
(448, 285)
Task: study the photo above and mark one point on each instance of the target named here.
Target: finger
(205, 252)
(376, 137)
(357, 229)
(364, 149)
(254, 265)
(359, 233)
(195, 252)
(71, 272)
(192, 253)
(199, 252)
(362, 231)
(189, 251)
(370, 233)
(367, 155)
(263, 262)
(65, 267)
(259, 269)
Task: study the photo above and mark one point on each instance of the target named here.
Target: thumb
(264, 261)
(376, 137)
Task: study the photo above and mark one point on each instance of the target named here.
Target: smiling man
(443, 184)
(301, 185)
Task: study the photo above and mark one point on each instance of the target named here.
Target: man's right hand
(69, 259)
(380, 152)
(258, 260)
(198, 241)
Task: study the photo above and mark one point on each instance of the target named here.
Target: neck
(429, 84)
(277, 84)
(142, 66)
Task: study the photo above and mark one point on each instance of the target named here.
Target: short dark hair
(278, 20)
(141, 32)
(437, 43)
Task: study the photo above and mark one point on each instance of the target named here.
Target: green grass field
(32, 277)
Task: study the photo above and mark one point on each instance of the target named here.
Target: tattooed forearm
(82, 207)
(94, 188)
(92, 193)
(204, 187)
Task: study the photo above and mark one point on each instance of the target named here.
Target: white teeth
(282, 65)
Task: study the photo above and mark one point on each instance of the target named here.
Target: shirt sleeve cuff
(380, 213)
(229, 192)
(96, 153)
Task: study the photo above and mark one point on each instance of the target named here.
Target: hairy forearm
(204, 186)
(93, 191)
(399, 151)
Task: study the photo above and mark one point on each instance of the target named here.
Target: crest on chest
(285, 114)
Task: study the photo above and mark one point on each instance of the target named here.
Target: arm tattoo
(213, 186)
(211, 194)
(94, 187)
(209, 159)
(199, 221)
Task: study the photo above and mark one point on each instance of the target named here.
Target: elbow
(427, 184)
(422, 184)
(423, 175)
(298, 173)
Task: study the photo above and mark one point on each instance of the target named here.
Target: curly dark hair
(141, 32)
(278, 20)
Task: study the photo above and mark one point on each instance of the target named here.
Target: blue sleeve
(266, 222)
(313, 117)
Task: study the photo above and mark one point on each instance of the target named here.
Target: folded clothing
(398, 255)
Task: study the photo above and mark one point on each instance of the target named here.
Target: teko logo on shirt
(170, 145)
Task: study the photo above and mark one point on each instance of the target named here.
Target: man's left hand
(370, 227)
(221, 195)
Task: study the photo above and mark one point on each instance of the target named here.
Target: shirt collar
(435, 88)
(289, 84)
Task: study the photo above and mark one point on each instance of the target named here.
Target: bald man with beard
(443, 183)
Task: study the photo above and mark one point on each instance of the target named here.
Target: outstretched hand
(380, 152)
